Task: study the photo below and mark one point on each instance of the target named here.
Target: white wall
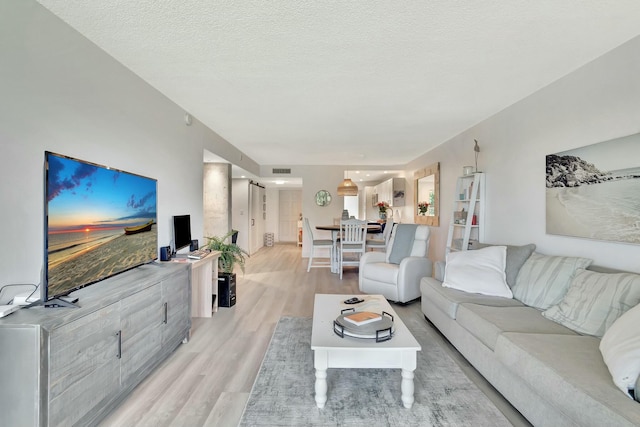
(598, 102)
(216, 199)
(63, 94)
(240, 214)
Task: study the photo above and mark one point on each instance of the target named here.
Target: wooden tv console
(72, 366)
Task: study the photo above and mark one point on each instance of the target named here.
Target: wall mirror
(323, 198)
(427, 191)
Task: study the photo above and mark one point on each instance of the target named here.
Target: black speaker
(226, 290)
(165, 253)
(194, 245)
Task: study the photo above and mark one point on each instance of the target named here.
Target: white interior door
(257, 204)
(290, 210)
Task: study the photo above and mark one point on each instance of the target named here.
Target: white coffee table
(331, 351)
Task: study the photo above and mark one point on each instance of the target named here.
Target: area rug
(283, 393)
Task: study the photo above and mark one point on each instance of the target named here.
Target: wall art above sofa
(594, 191)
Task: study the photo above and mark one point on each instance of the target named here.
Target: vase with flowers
(382, 209)
(422, 208)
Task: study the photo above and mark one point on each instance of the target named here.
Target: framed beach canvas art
(594, 191)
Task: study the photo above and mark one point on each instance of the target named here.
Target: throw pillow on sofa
(479, 271)
(544, 280)
(516, 257)
(595, 300)
(620, 348)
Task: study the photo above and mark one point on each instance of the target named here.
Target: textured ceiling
(349, 82)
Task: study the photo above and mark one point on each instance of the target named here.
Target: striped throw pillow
(543, 280)
(595, 300)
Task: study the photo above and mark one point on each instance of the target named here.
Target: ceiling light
(279, 182)
(348, 187)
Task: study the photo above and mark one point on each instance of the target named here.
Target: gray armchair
(396, 273)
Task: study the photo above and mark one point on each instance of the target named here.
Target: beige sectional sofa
(550, 373)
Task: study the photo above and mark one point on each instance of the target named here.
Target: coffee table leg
(321, 387)
(409, 363)
(407, 388)
(321, 364)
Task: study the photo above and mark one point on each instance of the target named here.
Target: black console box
(226, 290)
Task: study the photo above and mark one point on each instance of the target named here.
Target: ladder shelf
(467, 218)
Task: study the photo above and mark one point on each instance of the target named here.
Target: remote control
(354, 300)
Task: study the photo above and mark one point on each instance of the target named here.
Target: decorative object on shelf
(422, 208)
(476, 150)
(323, 198)
(348, 187)
(467, 170)
(382, 209)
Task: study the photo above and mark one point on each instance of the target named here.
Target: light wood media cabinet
(72, 366)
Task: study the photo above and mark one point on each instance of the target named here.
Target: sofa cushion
(481, 271)
(516, 257)
(543, 280)
(620, 348)
(487, 323)
(448, 299)
(577, 383)
(595, 300)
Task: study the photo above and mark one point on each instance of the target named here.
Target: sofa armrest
(440, 266)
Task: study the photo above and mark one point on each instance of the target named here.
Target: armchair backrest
(418, 245)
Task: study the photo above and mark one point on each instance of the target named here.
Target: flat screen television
(181, 231)
(99, 222)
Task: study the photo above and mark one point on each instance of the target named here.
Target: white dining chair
(352, 241)
(380, 242)
(317, 244)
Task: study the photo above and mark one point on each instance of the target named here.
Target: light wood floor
(207, 381)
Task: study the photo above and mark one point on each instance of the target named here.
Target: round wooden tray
(380, 330)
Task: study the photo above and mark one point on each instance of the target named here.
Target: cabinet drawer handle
(119, 335)
(166, 309)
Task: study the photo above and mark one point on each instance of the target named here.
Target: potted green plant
(230, 255)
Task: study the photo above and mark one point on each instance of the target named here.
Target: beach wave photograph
(594, 191)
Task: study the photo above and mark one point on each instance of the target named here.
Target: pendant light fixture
(348, 187)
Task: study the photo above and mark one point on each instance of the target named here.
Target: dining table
(335, 228)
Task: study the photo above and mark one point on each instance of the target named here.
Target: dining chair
(352, 241)
(381, 242)
(317, 244)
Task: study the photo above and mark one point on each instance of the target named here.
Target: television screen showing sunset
(100, 221)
